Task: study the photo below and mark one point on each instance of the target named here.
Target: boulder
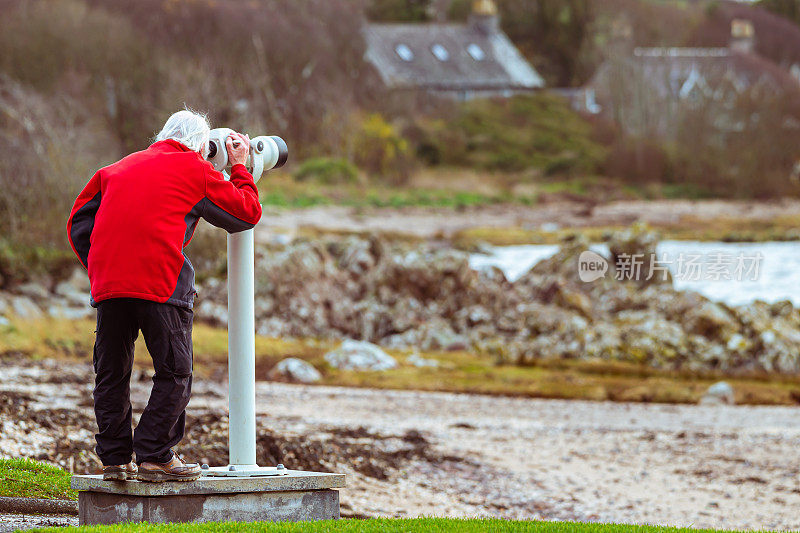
(74, 291)
(59, 310)
(573, 300)
(633, 256)
(720, 393)
(711, 320)
(78, 282)
(436, 334)
(360, 355)
(295, 370)
(419, 361)
(604, 341)
(357, 256)
(273, 327)
(562, 265)
(779, 348)
(24, 308)
(213, 312)
(650, 338)
(36, 291)
(424, 275)
(782, 308)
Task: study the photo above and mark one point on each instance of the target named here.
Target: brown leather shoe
(120, 472)
(176, 469)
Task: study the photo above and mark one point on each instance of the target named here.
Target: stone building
(646, 90)
(463, 61)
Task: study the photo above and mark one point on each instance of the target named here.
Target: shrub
(326, 170)
(379, 149)
(20, 263)
(399, 10)
(537, 131)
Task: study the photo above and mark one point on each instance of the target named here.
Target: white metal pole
(241, 350)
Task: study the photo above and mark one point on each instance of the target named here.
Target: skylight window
(404, 52)
(476, 52)
(440, 52)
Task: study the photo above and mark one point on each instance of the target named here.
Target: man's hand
(238, 146)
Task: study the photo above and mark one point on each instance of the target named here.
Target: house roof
(447, 57)
(715, 72)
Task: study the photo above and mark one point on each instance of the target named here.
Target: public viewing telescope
(266, 153)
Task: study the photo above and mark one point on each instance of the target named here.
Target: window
(404, 52)
(440, 52)
(476, 52)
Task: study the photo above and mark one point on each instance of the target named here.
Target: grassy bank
(447, 189)
(404, 525)
(26, 478)
(460, 372)
(457, 187)
(723, 229)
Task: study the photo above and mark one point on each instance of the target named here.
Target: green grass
(463, 372)
(281, 191)
(386, 525)
(26, 478)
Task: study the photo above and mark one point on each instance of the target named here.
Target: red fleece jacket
(131, 222)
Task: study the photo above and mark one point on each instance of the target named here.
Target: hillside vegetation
(83, 82)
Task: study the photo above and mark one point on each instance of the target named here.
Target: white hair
(188, 128)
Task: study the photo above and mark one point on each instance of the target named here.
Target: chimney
(484, 17)
(742, 36)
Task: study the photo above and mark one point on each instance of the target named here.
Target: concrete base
(296, 496)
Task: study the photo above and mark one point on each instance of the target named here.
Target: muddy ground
(414, 453)
(427, 223)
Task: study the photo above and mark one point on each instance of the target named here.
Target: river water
(733, 273)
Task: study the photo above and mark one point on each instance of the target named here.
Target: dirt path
(433, 222)
(415, 453)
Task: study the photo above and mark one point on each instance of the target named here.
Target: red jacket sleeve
(231, 205)
(81, 219)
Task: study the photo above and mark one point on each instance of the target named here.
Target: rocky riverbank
(428, 297)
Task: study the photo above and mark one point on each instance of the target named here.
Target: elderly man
(129, 227)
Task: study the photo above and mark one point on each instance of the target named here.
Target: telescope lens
(283, 151)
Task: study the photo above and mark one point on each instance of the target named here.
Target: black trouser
(167, 332)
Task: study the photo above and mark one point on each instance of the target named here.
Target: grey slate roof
(503, 67)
